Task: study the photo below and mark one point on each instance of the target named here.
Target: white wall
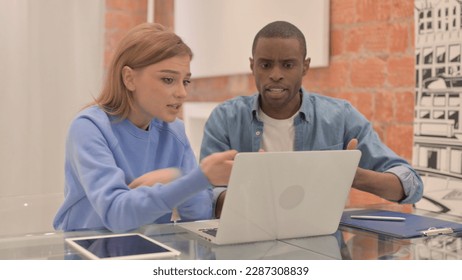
(221, 33)
(51, 55)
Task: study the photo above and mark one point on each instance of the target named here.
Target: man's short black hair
(281, 29)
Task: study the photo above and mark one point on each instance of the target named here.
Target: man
(283, 116)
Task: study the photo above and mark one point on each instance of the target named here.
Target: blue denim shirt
(322, 123)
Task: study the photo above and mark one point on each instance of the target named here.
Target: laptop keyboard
(209, 231)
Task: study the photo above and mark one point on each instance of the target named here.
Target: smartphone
(129, 246)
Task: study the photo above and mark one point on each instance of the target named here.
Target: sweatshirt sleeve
(198, 206)
(120, 208)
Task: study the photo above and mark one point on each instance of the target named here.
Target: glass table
(346, 243)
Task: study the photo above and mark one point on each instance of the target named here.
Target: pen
(378, 218)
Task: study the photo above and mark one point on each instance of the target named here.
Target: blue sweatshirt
(104, 154)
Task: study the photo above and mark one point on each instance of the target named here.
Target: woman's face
(159, 90)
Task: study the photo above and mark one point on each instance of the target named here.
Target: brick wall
(371, 64)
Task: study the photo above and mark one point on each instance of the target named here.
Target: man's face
(278, 66)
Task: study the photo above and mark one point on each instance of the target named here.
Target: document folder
(413, 226)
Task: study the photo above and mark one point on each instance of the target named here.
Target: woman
(128, 161)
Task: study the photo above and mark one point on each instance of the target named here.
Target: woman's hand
(162, 176)
(217, 167)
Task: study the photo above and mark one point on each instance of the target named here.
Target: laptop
(281, 195)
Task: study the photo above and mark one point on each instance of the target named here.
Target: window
(426, 73)
(454, 53)
(454, 115)
(417, 80)
(424, 114)
(439, 100)
(428, 56)
(438, 115)
(454, 100)
(417, 57)
(457, 82)
(432, 157)
(440, 54)
(426, 100)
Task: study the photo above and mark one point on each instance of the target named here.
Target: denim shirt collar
(305, 111)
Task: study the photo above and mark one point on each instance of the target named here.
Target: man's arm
(382, 172)
(385, 185)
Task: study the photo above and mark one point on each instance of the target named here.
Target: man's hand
(353, 144)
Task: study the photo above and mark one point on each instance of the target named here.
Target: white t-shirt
(278, 135)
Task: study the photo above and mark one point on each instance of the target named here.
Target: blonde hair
(145, 44)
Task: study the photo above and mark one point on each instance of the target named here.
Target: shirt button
(258, 133)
